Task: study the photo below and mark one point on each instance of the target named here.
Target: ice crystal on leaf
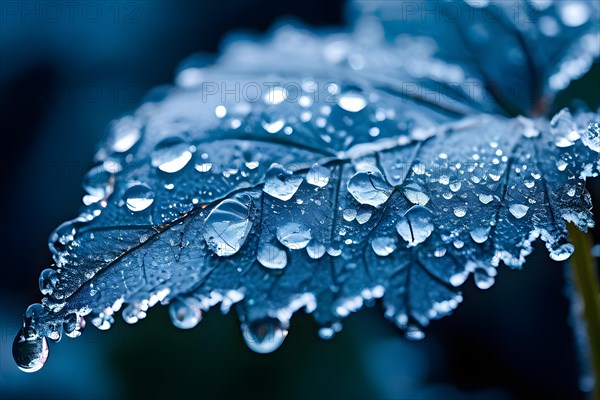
(371, 164)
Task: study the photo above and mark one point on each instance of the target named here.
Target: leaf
(333, 187)
(523, 52)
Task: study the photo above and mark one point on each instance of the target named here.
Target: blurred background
(67, 69)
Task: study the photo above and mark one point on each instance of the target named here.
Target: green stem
(586, 281)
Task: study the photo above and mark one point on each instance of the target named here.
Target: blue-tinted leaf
(523, 51)
(323, 185)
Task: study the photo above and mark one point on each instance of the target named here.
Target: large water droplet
(486, 198)
(281, 183)
(227, 226)
(415, 226)
(138, 197)
(185, 313)
(518, 210)
(370, 188)
(273, 126)
(383, 246)
(460, 211)
(564, 129)
(293, 235)
(171, 155)
(591, 137)
(415, 194)
(126, 132)
(349, 214)
(271, 256)
(98, 183)
(264, 335)
(318, 176)
(480, 234)
(562, 252)
(455, 186)
(352, 101)
(31, 353)
(483, 280)
(573, 13)
(315, 249)
(528, 128)
(363, 216)
(33, 312)
(73, 325)
(47, 281)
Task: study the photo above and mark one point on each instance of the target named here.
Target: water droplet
(275, 95)
(264, 335)
(370, 188)
(440, 252)
(204, 167)
(30, 354)
(352, 101)
(98, 183)
(73, 325)
(485, 198)
(415, 226)
(455, 186)
(273, 126)
(483, 280)
(480, 234)
(460, 211)
(518, 210)
(383, 246)
(227, 226)
(220, 111)
(495, 175)
(414, 333)
(281, 183)
(329, 332)
(562, 252)
(415, 194)
(573, 13)
(315, 249)
(318, 176)
(185, 313)
(561, 165)
(271, 256)
(459, 244)
(126, 132)
(171, 155)
(103, 321)
(374, 131)
(293, 235)
(459, 278)
(138, 197)
(564, 129)
(363, 216)
(591, 137)
(47, 281)
(528, 127)
(349, 214)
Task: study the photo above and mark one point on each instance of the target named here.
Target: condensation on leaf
(360, 189)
